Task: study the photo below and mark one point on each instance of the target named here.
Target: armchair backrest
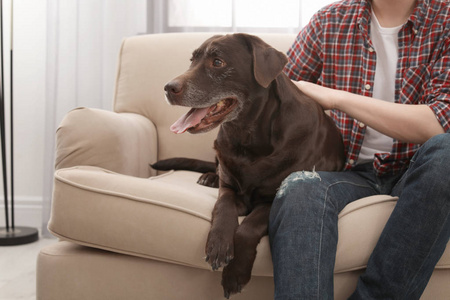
(146, 64)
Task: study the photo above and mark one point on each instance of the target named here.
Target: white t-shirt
(385, 43)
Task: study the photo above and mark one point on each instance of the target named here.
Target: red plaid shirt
(335, 50)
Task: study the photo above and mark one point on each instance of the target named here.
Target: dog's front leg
(238, 272)
(219, 246)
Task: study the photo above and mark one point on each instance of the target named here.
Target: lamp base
(18, 236)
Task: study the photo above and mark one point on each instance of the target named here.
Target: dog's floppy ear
(268, 62)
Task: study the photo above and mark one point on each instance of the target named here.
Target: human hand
(326, 97)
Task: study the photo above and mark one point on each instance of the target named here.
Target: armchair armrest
(125, 143)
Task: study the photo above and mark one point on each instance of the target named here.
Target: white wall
(29, 106)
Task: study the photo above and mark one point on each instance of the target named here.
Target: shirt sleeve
(305, 62)
(438, 93)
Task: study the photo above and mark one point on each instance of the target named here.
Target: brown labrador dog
(269, 129)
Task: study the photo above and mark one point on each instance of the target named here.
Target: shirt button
(371, 49)
(367, 86)
(362, 125)
(351, 161)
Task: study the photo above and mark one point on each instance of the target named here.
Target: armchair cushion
(167, 218)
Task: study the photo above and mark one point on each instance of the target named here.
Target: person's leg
(417, 231)
(303, 230)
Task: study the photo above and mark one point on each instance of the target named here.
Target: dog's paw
(219, 250)
(209, 179)
(234, 278)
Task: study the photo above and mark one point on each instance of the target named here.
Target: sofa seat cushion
(167, 218)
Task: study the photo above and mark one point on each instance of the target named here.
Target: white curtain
(83, 42)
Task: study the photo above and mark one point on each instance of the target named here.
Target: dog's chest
(247, 171)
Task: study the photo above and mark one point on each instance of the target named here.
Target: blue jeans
(303, 227)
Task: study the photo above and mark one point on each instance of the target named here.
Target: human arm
(407, 123)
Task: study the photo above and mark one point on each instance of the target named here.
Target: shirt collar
(365, 11)
(418, 15)
(416, 18)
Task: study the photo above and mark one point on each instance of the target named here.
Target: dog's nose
(174, 87)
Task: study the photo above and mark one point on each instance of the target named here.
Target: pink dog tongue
(190, 119)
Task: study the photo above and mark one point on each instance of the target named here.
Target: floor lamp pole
(2, 122)
(11, 89)
(10, 235)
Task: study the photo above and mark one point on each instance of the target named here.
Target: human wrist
(340, 98)
(343, 100)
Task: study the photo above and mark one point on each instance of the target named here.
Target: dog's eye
(218, 63)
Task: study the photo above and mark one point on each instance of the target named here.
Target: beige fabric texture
(72, 272)
(125, 142)
(171, 212)
(129, 234)
(68, 271)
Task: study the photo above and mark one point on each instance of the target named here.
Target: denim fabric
(303, 227)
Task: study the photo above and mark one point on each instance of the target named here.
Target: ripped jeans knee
(295, 177)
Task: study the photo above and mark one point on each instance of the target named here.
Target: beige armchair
(127, 233)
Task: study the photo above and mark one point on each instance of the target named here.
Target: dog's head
(224, 72)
